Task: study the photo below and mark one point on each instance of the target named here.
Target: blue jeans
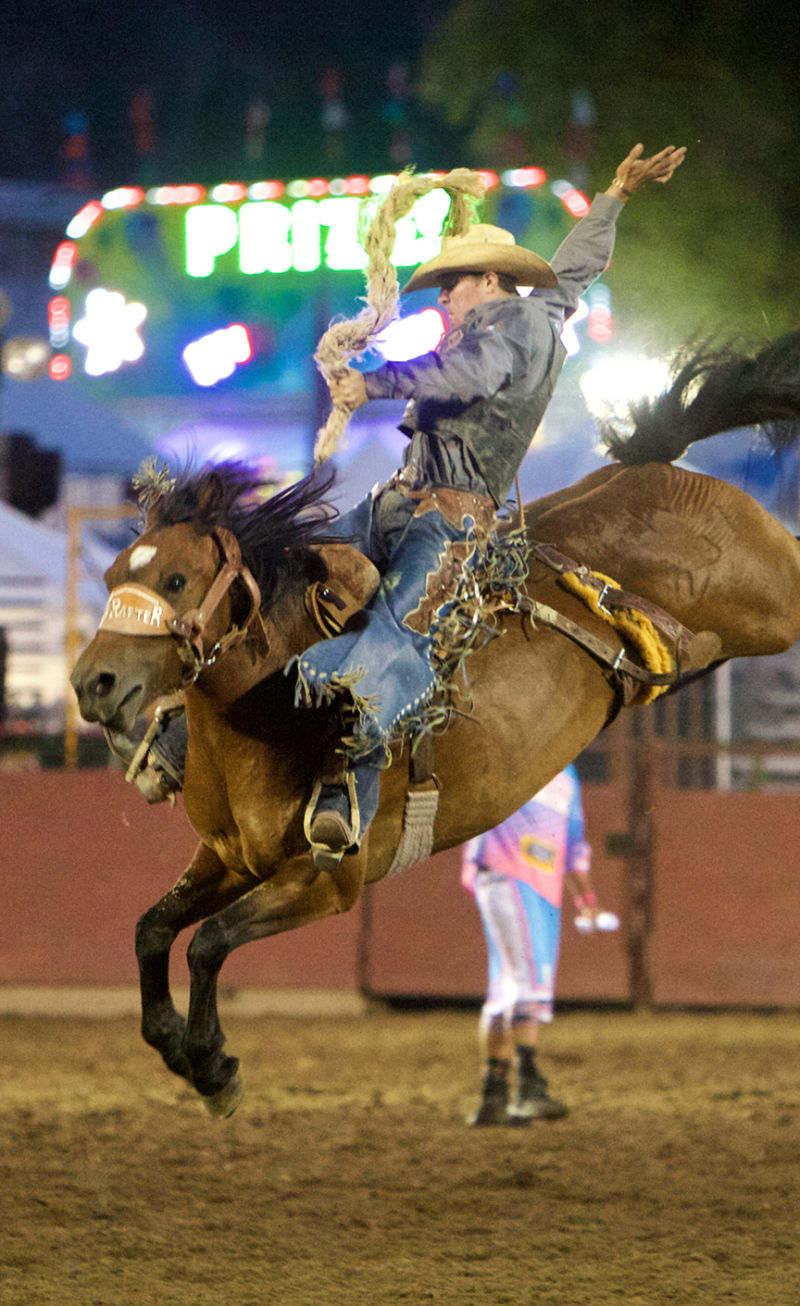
(383, 673)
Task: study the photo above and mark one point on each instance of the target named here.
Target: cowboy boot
(493, 1106)
(344, 801)
(531, 1099)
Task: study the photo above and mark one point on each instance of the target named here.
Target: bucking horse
(639, 575)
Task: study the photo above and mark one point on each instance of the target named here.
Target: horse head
(215, 569)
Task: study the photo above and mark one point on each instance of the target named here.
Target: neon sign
(150, 285)
(269, 236)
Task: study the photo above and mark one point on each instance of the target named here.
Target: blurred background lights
(523, 177)
(574, 201)
(58, 321)
(60, 367)
(84, 219)
(611, 386)
(214, 357)
(408, 337)
(600, 325)
(25, 358)
(124, 197)
(63, 263)
(110, 331)
(569, 336)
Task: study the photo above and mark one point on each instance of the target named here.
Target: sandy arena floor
(348, 1175)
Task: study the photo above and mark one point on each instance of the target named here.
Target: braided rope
(348, 339)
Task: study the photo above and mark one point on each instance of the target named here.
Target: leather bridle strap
(191, 625)
(136, 610)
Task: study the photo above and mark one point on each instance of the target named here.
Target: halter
(137, 610)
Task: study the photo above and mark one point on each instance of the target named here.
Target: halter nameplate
(136, 610)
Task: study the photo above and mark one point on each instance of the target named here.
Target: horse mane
(275, 534)
(713, 390)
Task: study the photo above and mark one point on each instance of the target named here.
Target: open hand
(634, 171)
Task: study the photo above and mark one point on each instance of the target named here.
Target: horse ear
(209, 499)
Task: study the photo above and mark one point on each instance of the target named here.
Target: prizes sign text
(269, 236)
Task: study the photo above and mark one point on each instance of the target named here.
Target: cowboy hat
(483, 248)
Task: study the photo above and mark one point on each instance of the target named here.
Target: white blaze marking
(142, 554)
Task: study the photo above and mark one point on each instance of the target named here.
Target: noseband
(137, 610)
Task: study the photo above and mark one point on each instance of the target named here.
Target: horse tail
(712, 391)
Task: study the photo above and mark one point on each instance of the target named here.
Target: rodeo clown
(474, 404)
(517, 873)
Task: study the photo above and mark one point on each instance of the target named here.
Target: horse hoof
(224, 1102)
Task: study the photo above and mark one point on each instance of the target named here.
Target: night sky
(204, 62)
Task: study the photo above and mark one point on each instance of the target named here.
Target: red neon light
(229, 191)
(529, 176)
(600, 326)
(65, 254)
(189, 194)
(357, 185)
(124, 197)
(179, 194)
(489, 179)
(267, 190)
(58, 311)
(317, 186)
(576, 202)
(89, 213)
(59, 367)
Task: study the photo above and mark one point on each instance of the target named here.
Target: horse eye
(175, 583)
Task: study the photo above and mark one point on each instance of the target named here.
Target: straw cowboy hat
(483, 248)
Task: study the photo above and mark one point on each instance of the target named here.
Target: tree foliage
(717, 249)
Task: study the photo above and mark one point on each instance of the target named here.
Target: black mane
(274, 534)
(714, 390)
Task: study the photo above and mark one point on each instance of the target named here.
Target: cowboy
(474, 405)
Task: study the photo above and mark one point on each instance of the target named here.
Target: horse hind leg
(204, 888)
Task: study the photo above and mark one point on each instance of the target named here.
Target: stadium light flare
(613, 384)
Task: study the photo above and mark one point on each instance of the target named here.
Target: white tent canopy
(33, 579)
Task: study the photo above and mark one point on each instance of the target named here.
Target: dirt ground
(348, 1175)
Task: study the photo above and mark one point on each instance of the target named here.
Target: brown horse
(689, 543)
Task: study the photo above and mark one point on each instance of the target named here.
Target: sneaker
(533, 1102)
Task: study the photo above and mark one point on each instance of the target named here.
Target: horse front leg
(296, 896)
(206, 886)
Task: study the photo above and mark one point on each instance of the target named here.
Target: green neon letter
(264, 244)
(211, 230)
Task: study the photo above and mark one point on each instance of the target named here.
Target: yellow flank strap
(635, 628)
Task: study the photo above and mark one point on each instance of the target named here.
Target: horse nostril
(104, 684)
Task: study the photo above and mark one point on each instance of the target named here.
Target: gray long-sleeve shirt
(477, 400)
